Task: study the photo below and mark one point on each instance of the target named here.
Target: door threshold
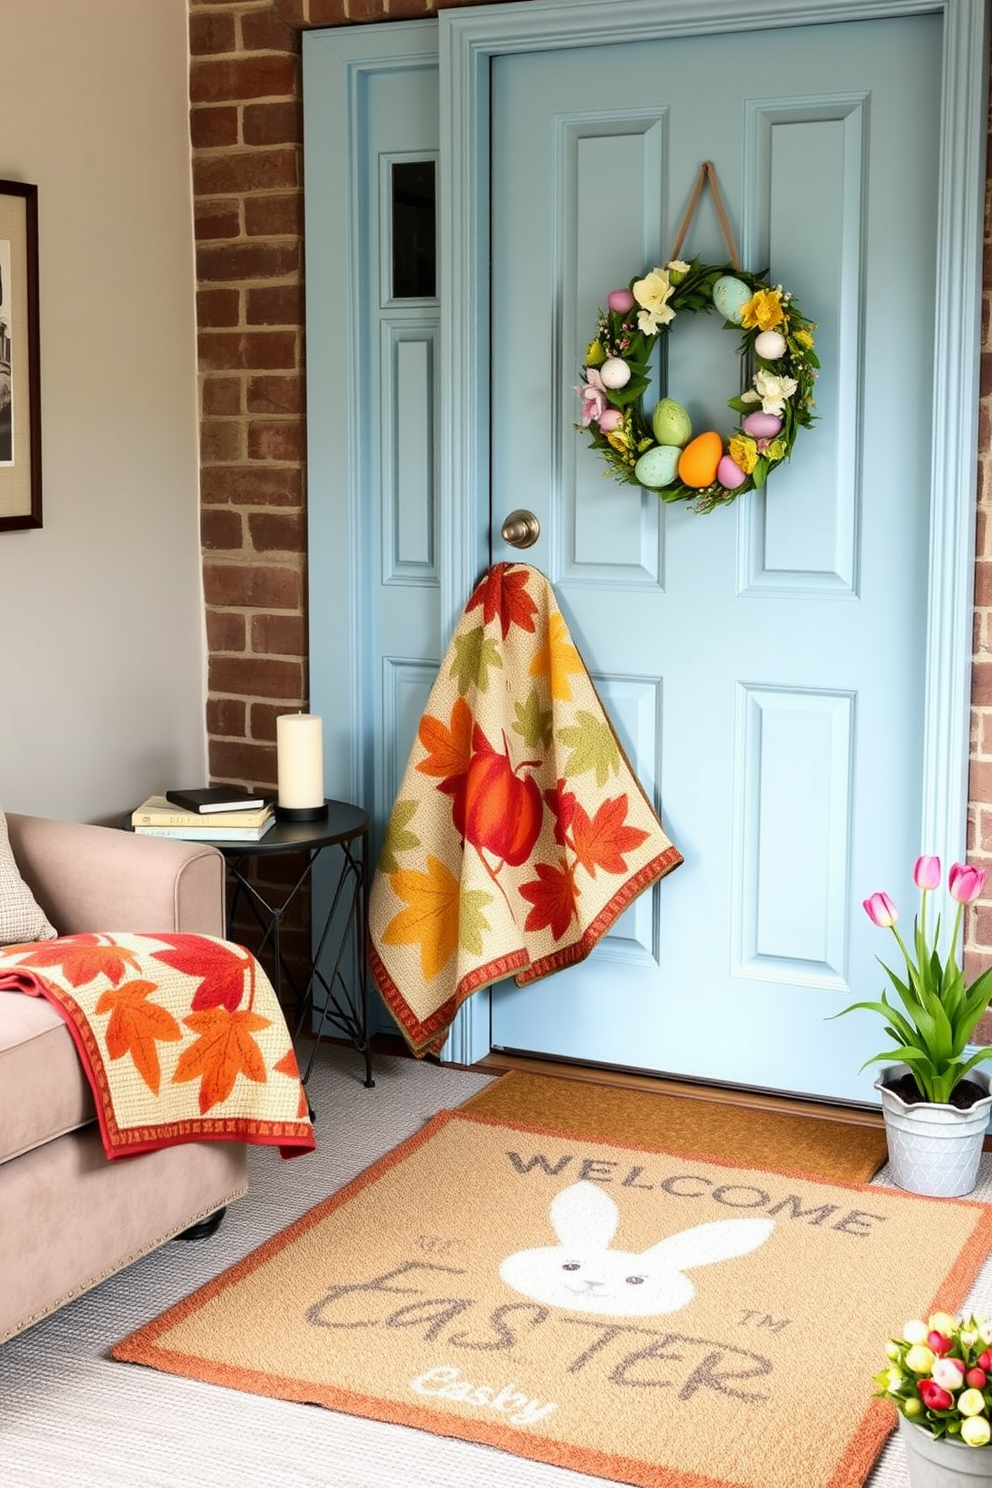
(498, 1062)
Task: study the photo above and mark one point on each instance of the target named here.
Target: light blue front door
(762, 663)
(738, 653)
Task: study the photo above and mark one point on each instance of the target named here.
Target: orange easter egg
(699, 459)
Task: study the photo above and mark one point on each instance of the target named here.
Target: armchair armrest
(98, 878)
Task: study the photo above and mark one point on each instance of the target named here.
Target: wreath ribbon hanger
(707, 175)
(658, 451)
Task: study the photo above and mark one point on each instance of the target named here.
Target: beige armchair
(68, 1217)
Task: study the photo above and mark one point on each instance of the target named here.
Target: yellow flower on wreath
(621, 437)
(804, 337)
(763, 309)
(744, 452)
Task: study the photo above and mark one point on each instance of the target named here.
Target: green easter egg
(658, 466)
(670, 422)
(730, 295)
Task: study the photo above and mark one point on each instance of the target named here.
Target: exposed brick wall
(246, 128)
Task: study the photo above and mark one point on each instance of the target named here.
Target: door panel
(371, 111)
(786, 748)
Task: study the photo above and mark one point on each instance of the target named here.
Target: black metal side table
(344, 1006)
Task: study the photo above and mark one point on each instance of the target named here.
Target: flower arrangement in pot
(934, 1100)
(939, 1378)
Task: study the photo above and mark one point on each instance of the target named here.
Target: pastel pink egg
(762, 425)
(620, 300)
(610, 419)
(730, 474)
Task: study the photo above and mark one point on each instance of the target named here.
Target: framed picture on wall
(20, 382)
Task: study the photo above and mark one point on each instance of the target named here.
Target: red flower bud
(934, 1396)
(939, 1343)
(985, 1360)
(976, 1378)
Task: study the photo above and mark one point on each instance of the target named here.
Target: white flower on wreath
(770, 391)
(652, 293)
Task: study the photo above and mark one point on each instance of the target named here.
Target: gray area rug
(72, 1418)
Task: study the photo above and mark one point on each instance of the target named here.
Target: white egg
(615, 372)
(770, 345)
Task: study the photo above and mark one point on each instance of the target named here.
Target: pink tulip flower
(948, 1373)
(881, 911)
(976, 1378)
(610, 419)
(926, 872)
(933, 1396)
(964, 883)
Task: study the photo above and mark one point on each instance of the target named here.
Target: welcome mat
(649, 1318)
(819, 1146)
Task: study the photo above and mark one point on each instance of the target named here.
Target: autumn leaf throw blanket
(181, 1037)
(520, 832)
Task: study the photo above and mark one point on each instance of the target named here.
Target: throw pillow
(21, 917)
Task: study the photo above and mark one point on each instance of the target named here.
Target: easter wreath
(659, 451)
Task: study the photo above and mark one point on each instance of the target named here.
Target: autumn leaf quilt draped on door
(520, 832)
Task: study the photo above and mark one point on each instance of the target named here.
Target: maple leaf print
(593, 747)
(471, 921)
(219, 967)
(287, 1066)
(557, 658)
(430, 919)
(533, 722)
(82, 958)
(475, 653)
(397, 838)
(137, 1027)
(553, 895)
(448, 745)
(561, 803)
(600, 841)
(503, 592)
(224, 1049)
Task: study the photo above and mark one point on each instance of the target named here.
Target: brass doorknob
(521, 529)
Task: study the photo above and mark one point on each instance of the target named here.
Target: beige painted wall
(102, 653)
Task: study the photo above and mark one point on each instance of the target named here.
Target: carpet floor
(70, 1417)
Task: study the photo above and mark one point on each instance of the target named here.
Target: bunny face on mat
(582, 1273)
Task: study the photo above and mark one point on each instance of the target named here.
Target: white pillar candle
(300, 760)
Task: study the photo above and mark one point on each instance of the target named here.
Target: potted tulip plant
(939, 1378)
(934, 1100)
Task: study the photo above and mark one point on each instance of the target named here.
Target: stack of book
(215, 814)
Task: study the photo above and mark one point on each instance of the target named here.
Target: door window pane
(414, 235)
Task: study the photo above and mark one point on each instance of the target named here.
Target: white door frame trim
(468, 40)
